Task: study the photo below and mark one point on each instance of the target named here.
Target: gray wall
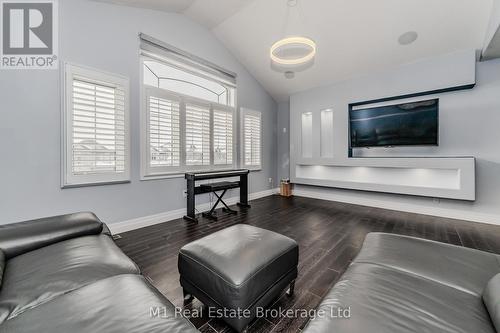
(494, 23)
(283, 136)
(104, 37)
(468, 127)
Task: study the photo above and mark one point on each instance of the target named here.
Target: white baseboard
(404, 207)
(149, 220)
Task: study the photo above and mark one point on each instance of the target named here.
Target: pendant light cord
(301, 20)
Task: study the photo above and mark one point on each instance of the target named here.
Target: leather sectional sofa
(65, 274)
(404, 284)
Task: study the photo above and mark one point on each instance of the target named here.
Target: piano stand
(211, 214)
(224, 186)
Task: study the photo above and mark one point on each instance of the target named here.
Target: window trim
(243, 112)
(144, 144)
(69, 180)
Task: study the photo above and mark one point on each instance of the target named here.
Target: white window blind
(197, 135)
(223, 137)
(164, 132)
(252, 139)
(96, 137)
(98, 128)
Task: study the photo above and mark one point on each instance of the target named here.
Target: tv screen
(409, 124)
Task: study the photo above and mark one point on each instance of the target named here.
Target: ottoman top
(239, 252)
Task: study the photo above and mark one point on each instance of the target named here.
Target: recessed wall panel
(327, 133)
(307, 134)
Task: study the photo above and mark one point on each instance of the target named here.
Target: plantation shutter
(197, 135)
(164, 132)
(98, 128)
(223, 137)
(252, 138)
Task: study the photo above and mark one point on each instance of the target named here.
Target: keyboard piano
(193, 190)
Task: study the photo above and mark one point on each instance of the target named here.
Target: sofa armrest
(22, 237)
(105, 230)
(2, 266)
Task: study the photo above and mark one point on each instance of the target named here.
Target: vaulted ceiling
(354, 37)
(209, 13)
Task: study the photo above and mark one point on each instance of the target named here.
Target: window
(251, 139)
(163, 132)
(197, 134)
(223, 137)
(188, 117)
(96, 134)
(186, 81)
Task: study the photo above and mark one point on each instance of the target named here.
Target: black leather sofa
(400, 284)
(65, 274)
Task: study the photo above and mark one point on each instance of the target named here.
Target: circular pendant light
(291, 51)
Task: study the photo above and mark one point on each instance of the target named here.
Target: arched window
(189, 118)
(187, 82)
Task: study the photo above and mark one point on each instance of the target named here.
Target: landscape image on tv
(409, 124)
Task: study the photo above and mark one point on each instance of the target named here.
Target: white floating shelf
(447, 177)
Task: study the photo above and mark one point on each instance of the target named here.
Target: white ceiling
(354, 37)
(177, 6)
(209, 13)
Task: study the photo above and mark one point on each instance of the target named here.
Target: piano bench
(219, 186)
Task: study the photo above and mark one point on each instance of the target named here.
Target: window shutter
(252, 139)
(197, 135)
(98, 128)
(223, 137)
(164, 132)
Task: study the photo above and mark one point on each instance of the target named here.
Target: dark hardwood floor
(329, 234)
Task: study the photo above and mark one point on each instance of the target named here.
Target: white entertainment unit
(450, 177)
(319, 134)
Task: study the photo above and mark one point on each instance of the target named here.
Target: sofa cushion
(462, 268)
(37, 277)
(491, 298)
(19, 238)
(124, 303)
(387, 300)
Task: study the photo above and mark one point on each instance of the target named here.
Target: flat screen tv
(408, 124)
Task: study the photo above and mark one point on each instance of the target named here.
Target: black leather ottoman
(237, 270)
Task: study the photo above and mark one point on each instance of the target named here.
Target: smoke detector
(407, 38)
